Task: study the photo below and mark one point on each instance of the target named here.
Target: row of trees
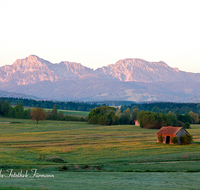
(76, 106)
(152, 120)
(158, 107)
(106, 115)
(37, 114)
(165, 107)
(40, 114)
(18, 111)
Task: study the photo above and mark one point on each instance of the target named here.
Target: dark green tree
(18, 110)
(54, 112)
(150, 120)
(187, 125)
(5, 108)
(125, 117)
(134, 115)
(103, 115)
(186, 139)
(60, 116)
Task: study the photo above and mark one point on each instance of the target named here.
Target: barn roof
(169, 130)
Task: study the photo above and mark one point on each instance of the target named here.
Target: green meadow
(70, 112)
(84, 156)
(75, 113)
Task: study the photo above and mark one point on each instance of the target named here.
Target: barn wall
(162, 136)
(165, 137)
(180, 133)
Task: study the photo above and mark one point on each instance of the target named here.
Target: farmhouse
(168, 132)
(136, 122)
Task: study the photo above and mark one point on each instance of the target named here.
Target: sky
(97, 33)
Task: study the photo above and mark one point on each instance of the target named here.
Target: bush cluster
(186, 139)
(174, 140)
(106, 115)
(18, 111)
(160, 138)
(152, 120)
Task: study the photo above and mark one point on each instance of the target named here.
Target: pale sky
(97, 33)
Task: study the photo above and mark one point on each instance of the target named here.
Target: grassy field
(73, 113)
(106, 181)
(70, 112)
(118, 156)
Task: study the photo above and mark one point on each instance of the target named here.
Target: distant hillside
(129, 79)
(16, 95)
(140, 70)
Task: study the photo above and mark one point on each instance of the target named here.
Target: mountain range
(128, 79)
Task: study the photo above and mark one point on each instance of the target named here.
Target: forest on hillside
(76, 106)
(164, 107)
(158, 107)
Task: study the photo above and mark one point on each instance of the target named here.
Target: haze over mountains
(128, 79)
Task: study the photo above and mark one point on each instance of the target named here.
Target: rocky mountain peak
(29, 70)
(33, 69)
(130, 79)
(30, 63)
(136, 70)
(139, 63)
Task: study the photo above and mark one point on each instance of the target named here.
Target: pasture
(72, 113)
(97, 156)
(69, 112)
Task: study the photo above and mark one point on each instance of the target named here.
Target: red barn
(168, 132)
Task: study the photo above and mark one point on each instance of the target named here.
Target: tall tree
(38, 114)
(54, 112)
(125, 117)
(118, 113)
(194, 117)
(5, 108)
(150, 120)
(18, 110)
(104, 115)
(134, 115)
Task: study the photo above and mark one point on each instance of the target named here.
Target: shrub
(55, 159)
(93, 120)
(178, 123)
(81, 119)
(190, 138)
(183, 139)
(104, 120)
(186, 139)
(85, 166)
(175, 140)
(63, 168)
(187, 125)
(160, 138)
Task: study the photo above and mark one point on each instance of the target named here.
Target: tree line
(106, 115)
(18, 111)
(164, 107)
(76, 106)
(158, 107)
